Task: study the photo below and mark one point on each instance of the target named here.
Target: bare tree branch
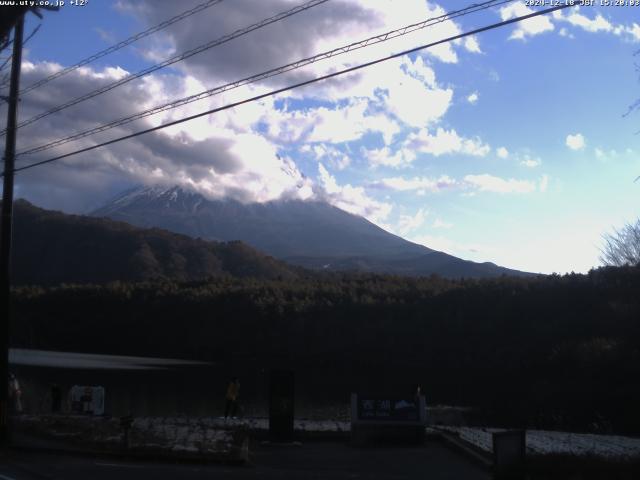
(622, 247)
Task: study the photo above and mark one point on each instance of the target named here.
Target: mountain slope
(312, 234)
(52, 247)
(432, 263)
(281, 228)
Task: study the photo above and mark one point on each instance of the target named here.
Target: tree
(622, 247)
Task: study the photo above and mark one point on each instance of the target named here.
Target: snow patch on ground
(300, 425)
(543, 442)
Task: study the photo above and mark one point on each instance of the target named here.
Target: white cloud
(328, 153)
(219, 155)
(593, 25)
(463, 250)
(605, 155)
(473, 98)
(414, 98)
(409, 223)
(471, 184)
(502, 152)
(438, 243)
(401, 91)
(387, 96)
(351, 199)
(316, 30)
(565, 33)
(446, 142)
(575, 142)
(596, 24)
(530, 162)
(421, 184)
(335, 124)
(385, 157)
(438, 223)
(471, 44)
(339, 124)
(633, 31)
(526, 28)
(544, 183)
(490, 183)
(229, 154)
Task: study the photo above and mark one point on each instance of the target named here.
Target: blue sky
(511, 147)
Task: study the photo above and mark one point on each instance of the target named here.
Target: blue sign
(392, 409)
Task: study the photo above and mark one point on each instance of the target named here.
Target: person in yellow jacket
(233, 392)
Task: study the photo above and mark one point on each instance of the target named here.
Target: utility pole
(6, 230)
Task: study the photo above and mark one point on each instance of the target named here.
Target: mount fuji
(312, 234)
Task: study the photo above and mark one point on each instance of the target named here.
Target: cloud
(438, 223)
(390, 96)
(502, 152)
(420, 184)
(327, 153)
(473, 98)
(215, 155)
(606, 155)
(339, 124)
(490, 183)
(414, 98)
(336, 124)
(544, 183)
(316, 30)
(470, 184)
(523, 157)
(351, 199)
(106, 36)
(526, 28)
(471, 44)
(575, 142)
(385, 157)
(633, 31)
(597, 24)
(446, 142)
(238, 153)
(463, 250)
(565, 33)
(530, 162)
(541, 24)
(409, 223)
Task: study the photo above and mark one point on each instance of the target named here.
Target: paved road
(318, 460)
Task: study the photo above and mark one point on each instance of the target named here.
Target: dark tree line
(549, 352)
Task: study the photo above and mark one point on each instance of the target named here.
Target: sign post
(281, 405)
(509, 454)
(387, 417)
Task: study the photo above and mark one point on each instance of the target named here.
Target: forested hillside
(561, 352)
(53, 247)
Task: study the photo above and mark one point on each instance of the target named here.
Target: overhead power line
(297, 85)
(10, 57)
(269, 73)
(175, 59)
(122, 44)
